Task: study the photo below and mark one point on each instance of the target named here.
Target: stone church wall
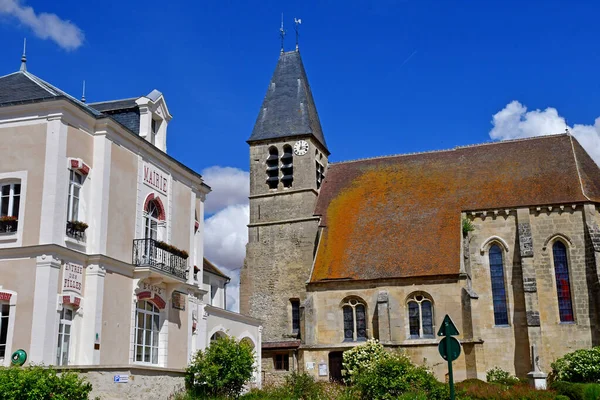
(526, 237)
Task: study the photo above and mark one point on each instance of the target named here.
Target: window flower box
(76, 229)
(8, 224)
(172, 249)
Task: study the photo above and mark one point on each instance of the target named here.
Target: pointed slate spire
(288, 108)
(24, 57)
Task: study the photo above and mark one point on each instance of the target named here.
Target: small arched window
(420, 317)
(287, 166)
(563, 283)
(355, 320)
(498, 286)
(273, 168)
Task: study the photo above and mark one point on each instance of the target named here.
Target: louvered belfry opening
(273, 168)
(320, 170)
(287, 166)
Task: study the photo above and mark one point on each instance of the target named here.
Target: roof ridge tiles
(450, 149)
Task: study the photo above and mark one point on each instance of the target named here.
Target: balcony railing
(148, 253)
(8, 226)
(76, 230)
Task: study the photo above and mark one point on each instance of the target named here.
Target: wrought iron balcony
(150, 253)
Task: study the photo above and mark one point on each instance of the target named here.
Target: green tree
(220, 370)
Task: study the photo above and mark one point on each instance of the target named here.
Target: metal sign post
(449, 348)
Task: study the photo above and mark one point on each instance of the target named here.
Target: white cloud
(230, 186)
(514, 122)
(46, 26)
(226, 232)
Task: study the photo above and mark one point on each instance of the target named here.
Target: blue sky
(388, 76)
(213, 61)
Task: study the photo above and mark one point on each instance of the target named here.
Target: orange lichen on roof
(399, 216)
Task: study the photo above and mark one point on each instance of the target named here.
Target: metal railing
(9, 226)
(148, 252)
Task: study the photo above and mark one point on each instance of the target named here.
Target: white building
(101, 246)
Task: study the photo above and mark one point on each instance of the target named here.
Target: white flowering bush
(362, 358)
(580, 366)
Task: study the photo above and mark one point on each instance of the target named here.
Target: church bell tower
(288, 158)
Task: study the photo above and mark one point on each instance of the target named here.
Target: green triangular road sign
(448, 328)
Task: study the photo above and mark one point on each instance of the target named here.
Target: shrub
(581, 366)
(220, 370)
(498, 375)
(577, 391)
(362, 358)
(302, 386)
(474, 389)
(38, 382)
(395, 375)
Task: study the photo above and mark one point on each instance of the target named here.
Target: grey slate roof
(125, 111)
(23, 87)
(288, 108)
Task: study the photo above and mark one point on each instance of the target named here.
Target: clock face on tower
(301, 147)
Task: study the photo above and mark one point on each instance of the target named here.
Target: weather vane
(297, 21)
(282, 33)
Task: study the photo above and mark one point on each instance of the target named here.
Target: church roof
(288, 108)
(400, 216)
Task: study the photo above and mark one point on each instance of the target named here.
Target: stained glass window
(420, 317)
(355, 321)
(498, 286)
(348, 323)
(563, 285)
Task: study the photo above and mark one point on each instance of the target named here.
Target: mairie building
(101, 242)
(503, 237)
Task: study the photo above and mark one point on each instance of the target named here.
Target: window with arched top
(420, 316)
(287, 166)
(563, 282)
(355, 320)
(273, 168)
(147, 326)
(498, 285)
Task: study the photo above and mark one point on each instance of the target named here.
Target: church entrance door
(335, 366)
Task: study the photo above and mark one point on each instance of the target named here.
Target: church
(503, 237)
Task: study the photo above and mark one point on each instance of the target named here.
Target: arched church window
(563, 284)
(320, 171)
(273, 168)
(420, 317)
(355, 320)
(287, 166)
(498, 286)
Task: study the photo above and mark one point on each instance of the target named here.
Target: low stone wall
(148, 383)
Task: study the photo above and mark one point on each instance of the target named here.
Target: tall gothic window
(498, 286)
(287, 166)
(355, 321)
(563, 284)
(420, 317)
(273, 168)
